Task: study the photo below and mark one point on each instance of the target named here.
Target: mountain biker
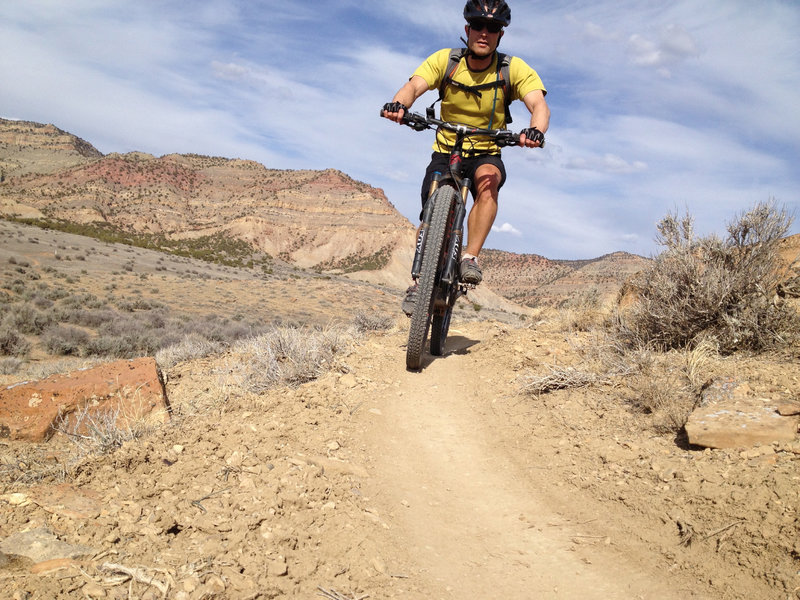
(467, 97)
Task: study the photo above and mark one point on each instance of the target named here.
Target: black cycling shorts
(440, 161)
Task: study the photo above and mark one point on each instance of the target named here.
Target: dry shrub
(657, 386)
(287, 356)
(65, 340)
(580, 312)
(713, 288)
(365, 321)
(27, 464)
(102, 432)
(9, 366)
(12, 343)
(192, 346)
(25, 318)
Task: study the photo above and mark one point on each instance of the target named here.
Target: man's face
(483, 37)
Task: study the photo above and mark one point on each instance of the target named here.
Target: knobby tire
(428, 277)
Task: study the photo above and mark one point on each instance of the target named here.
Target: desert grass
(29, 464)
(662, 387)
(98, 432)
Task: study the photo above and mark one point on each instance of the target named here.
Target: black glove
(533, 134)
(393, 107)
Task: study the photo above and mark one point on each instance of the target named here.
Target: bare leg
(484, 210)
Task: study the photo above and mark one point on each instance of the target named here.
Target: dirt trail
(468, 516)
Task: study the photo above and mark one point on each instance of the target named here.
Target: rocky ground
(374, 482)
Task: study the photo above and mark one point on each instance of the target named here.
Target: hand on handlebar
(394, 111)
(531, 138)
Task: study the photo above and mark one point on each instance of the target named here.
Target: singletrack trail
(461, 497)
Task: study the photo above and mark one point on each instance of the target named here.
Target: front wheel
(429, 276)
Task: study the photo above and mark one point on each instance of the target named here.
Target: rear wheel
(429, 276)
(440, 326)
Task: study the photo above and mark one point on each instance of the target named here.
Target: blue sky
(656, 106)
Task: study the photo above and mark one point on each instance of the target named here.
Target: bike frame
(438, 272)
(453, 178)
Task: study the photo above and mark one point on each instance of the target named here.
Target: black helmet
(492, 10)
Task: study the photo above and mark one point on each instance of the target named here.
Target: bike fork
(450, 273)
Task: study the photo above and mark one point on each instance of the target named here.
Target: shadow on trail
(456, 344)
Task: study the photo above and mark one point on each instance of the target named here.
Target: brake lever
(507, 139)
(416, 122)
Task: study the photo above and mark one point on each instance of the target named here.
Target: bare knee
(487, 183)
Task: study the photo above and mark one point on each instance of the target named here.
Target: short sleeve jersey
(488, 110)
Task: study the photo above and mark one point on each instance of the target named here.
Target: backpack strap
(503, 63)
(503, 79)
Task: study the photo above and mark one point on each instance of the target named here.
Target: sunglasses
(490, 26)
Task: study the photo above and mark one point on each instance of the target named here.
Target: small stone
(348, 381)
(279, 567)
(42, 547)
(215, 584)
(92, 590)
(191, 584)
(333, 446)
(16, 499)
(177, 448)
(379, 565)
(235, 459)
(667, 474)
(68, 501)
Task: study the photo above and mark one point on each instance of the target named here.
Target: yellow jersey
(488, 109)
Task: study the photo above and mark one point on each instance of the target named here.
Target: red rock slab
(127, 391)
(67, 500)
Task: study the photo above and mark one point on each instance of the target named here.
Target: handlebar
(417, 122)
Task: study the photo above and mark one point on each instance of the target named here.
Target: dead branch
(137, 574)
(724, 529)
(560, 379)
(334, 595)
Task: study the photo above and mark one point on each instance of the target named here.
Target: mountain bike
(438, 250)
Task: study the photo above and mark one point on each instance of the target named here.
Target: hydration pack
(502, 80)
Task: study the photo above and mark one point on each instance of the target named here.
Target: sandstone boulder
(127, 391)
(729, 417)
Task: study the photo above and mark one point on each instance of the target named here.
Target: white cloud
(674, 45)
(608, 163)
(507, 228)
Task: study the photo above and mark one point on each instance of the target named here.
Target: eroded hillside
(534, 280)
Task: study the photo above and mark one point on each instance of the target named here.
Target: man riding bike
(470, 87)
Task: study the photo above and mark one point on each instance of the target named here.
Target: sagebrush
(714, 288)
